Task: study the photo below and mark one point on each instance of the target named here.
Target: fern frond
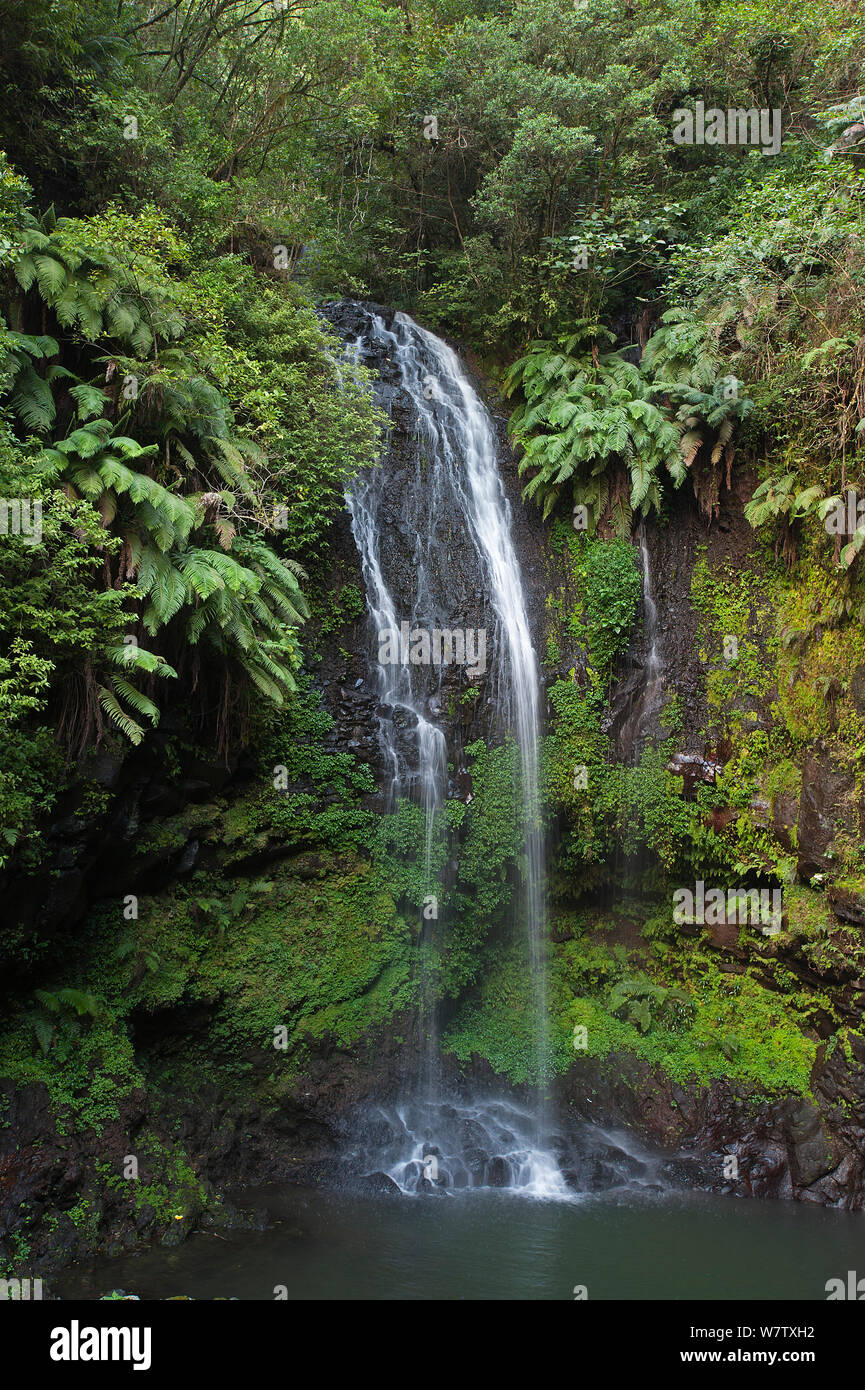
(118, 716)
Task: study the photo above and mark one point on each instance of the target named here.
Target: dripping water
(650, 612)
(644, 689)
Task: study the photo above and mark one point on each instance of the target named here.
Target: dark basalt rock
(785, 814)
(857, 689)
(497, 1172)
(847, 905)
(464, 706)
(785, 1149)
(694, 768)
(380, 1183)
(822, 804)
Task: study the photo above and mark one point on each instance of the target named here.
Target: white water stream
(456, 474)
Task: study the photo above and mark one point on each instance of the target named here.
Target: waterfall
(450, 501)
(644, 691)
(650, 612)
(427, 772)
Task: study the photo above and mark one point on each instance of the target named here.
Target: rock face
(106, 854)
(228, 1142)
(431, 566)
(792, 1149)
(822, 805)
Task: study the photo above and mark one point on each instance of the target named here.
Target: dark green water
(499, 1245)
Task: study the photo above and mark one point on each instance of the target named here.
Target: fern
(134, 697)
(681, 351)
(32, 400)
(90, 400)
(193, 567)
(118, 716)
(586, 416)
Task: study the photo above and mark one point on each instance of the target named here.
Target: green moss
(326, 954)
(167, 1187)
(87, 1069)
(173, 833)
(640, 990)
(497, 1023)
(608, 808)
(329, 956)
(309, 795)
(808, 912)
(737, 640)
(704, 1023)
(332, 608)
(599, 604)
(819, 651)
(325, 945)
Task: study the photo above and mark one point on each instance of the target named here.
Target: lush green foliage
(179, 187)
(597, 414)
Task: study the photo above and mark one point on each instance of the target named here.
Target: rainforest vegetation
(672, 330)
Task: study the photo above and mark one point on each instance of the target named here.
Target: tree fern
(131, 656)
(584, 415)
(681, 350)
(151, 463)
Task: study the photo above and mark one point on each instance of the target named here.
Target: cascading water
(650, 611)
(452, 502)
(646, 684)
(424, 774)
(414, 746)
(653, 694)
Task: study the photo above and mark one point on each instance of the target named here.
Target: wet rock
(476, 1160)
(822, 804)
(693, 768)
(379, 1132)
(683, 1171)
(785, 813)
(380, 1182)
(497, 1172)
(761, 811)
(188, 859)
(812, 1154)
(432, 1189)
(603, 1176)
(175, 1234)
(724, 936)
(857, 689)
(847, 905)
